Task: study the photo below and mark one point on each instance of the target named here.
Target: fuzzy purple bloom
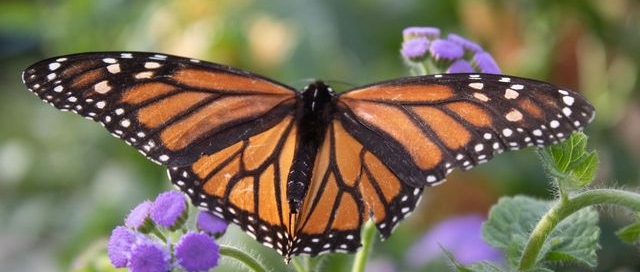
(119, 246)
(197, 252)
(485, 63)
(415, 48)
(211, 223)
(420, 31)
(466, 44)
(139, 215)
(460, 66)
(169, 209)
(445, 50)
(462, 236)
(149, 257)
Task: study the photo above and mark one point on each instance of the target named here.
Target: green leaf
(479, 267)
(511, 220)
(630, 233)
(484, 267)
(575, 239)
(570, 163)
(509, 224)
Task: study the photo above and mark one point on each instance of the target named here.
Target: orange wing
(348, 186)
(246, 184)
(171, 109)
(421, 128)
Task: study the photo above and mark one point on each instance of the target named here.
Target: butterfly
(302, 171)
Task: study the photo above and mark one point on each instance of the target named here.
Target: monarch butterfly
(301, 172)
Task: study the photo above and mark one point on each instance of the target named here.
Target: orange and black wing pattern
(245, 183)
(349, 186)
(422, 128)
(301, 172)
(171, 109)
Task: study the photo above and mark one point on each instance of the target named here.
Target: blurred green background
(65, 182)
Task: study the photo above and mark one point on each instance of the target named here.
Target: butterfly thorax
(313, 114)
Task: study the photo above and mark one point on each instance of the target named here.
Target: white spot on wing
(114, 68)
(54, 65)
(151, 65)
(101, 104)
(510, 94)
(141, 75)
(514, 115)
(517, 86)
(480, 96)
(476, 85)
(102, 87)
(478, 147)
(431, 178)
(568, 100)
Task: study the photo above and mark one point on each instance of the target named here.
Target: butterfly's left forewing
(421, 128)
(171, 109)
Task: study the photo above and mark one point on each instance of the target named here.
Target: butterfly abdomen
(313, 116)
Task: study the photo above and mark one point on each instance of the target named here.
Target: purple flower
(119, 246)
(139, 216)
(169, 210)
(460, 66)
(485, 63)
(197, 252)
(415, 49)
(148, 256)
(211, 223)
(455, 54)
(445, 50)
(420, 31)
(466, 44)
(459, 235)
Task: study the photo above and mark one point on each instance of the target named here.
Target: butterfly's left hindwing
(246, 184)
(171, 109)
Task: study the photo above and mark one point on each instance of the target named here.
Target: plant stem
(562, 209)
(246, 259)
(360, 260)
(155, 231)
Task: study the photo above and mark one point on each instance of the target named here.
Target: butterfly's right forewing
(171, 109)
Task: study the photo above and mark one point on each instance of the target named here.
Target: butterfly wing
(349, 185)
(246, 183)
(421, 128)
(171, 109)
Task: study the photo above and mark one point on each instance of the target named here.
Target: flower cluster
(424, 47)
(144, 243)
